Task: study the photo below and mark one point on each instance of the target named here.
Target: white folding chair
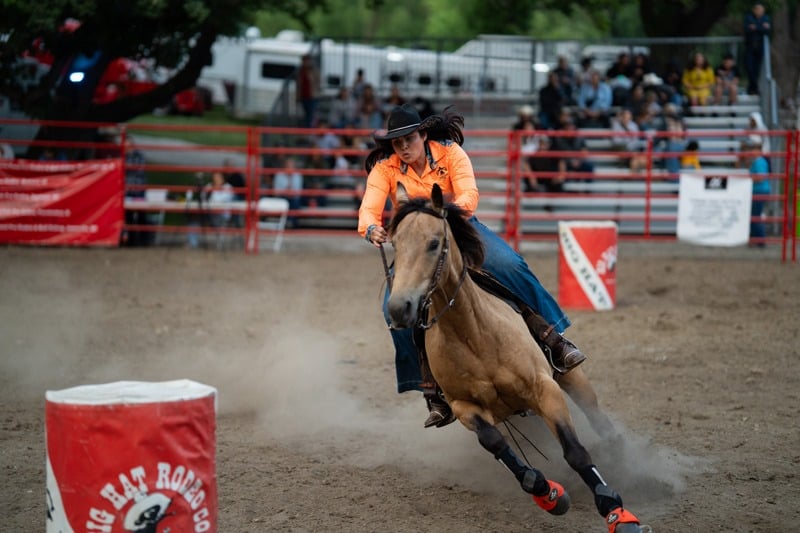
(272, 215)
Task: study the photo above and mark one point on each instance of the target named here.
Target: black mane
(467, 239)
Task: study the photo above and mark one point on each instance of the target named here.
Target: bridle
(425, 303)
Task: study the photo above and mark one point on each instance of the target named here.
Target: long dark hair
(446, 126)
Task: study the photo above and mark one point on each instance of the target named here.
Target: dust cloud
(299, 391)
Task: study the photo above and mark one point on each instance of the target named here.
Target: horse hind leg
(577, 385)
(547, 494)
(553, 410)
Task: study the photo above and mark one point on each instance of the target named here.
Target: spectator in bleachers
(358, 85)
(369, 109)
(524, 118)
(423, 106)
(577, 161)
(727, 81)
(530, 143)
(217, 192)
(757, 24)
(584, 74)
(567, 79)
(288, 183)
(237, 181)
(637, 99)
(325, 159)
(619, 78)
(689, 159)
(551, 100)
(652, 103)
(393, 100)
(628, 139)
(672, 84)
(640, 67)
(621, 67)
(343, 111)
(675, 141)
(698, 80)
(594, 102)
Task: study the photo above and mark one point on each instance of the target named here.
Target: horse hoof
(621, 521)
(556, 501)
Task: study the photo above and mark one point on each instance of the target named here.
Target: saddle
(536, 324)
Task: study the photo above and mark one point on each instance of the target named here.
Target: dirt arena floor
(698, 365)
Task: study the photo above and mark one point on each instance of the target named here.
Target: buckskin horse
(482, 354)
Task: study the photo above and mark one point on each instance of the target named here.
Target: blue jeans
(511, 270)
(758, 230)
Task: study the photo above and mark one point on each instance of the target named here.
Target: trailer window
(277, 71)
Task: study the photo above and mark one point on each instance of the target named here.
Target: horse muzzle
(402, 311)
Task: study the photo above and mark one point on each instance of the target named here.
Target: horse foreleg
(577, 385)
(553, 410)
(547, 494)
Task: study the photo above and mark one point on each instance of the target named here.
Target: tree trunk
(785, 53)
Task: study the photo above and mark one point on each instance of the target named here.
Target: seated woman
(698, 80)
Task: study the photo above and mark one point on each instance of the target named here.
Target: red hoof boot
(621, 521)
(556, 501)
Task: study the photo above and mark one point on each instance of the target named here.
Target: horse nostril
(402, 312)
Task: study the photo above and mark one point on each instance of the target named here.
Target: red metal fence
(631, 179)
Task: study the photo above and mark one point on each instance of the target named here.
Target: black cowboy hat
(403, 120)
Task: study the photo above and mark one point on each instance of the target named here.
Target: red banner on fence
(61, 203)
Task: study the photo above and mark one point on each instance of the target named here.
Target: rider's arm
(465, 188)
(375, 195)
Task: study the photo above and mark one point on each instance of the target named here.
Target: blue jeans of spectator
(672, 164)
(758, 230)
(511, 270)
(310, 112)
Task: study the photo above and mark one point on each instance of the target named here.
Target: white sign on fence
(714, 210)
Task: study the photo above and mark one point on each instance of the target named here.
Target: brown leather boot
(440, 413)
(564, 356)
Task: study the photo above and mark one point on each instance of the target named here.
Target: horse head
(424, 232)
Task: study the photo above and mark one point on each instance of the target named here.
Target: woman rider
(418, 154)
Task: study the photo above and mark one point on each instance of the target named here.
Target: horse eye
(433, 245)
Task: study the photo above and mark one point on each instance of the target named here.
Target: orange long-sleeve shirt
(448, 165)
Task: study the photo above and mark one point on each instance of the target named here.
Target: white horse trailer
(259, 71)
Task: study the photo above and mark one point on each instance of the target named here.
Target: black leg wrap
(606, 499)
(531, 480)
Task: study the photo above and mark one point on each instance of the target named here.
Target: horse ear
(401, 194)
(437, 197)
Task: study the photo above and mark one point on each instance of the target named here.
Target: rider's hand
(377, 235)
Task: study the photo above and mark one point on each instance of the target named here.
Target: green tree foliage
(173, 35)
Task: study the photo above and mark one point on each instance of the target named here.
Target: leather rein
(425, 303)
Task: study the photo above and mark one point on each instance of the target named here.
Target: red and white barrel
(131, 456)
(587, 265)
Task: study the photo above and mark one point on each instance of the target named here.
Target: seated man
(594, 102)
(575, 164)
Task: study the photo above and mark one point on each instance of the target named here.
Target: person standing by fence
(757, 25)
(308, 88)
